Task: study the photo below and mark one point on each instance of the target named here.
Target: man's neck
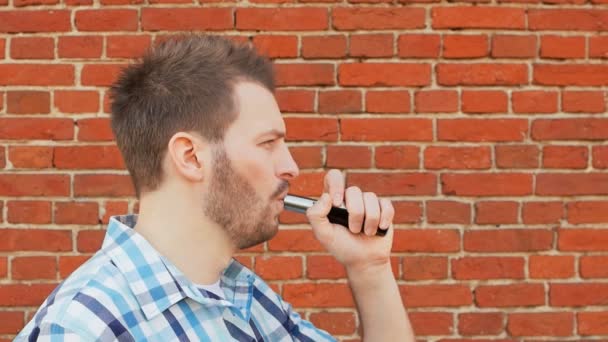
(178, 230)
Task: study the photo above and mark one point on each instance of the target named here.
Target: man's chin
(266, 236)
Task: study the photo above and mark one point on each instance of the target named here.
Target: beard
(247, 217)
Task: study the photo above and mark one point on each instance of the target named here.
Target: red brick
(32, 48)
(336, 323)
(475, 130)
(307, 157)
(76, 213)
(465, 46)
(371, 45)
(534, 102)
(436, 295)
(512, 295)
(187, 19)
(425, 268)
(397, 157)
(87, 157)
(384, 74)
(34, 185)
(484, 101)
(440, 157)
(578, 19)
(29, 212)
(113, 208)
(387, 101)
(571, 74)
(89, 241)
(508, 240)
(487, 184)
(583, 240)
(295, 100)
(598, 46)
(483, 268)
(2, 157)
(80, 47)
(295, 240)
(308, 184)
(328, 46)
(517, 156)
(594, 266)
(94, 129)
(106, 20)
(570, 129)
(563, 184)
(486, 17)
(565, 157)
(551, 266)
(562, 47)
(426, 240)
(34, 267)
(3, 267)
(482, 74)
(76, 101)
(324, 267)
(583, 102)
(24, 3)
(28, 102)
(436, 101)
(11, 322)
(323, 295)
(2, 48)
(325, 129)
(407, 212)
(36, 74)
(386, 129)
(69, 263)
(448, 212)
(100, 74)
(31, 157)
(369, 18)
(513, 46)
(127, 46)
(340, 101)
(50, 240)
(25, 295)
(432, 323)
(578, 294)
(419, 45)
(480, 323)
(279, 267)
(358, 157)
(600, 157)
(496, 212)
(541, 324)
(282, 19)
(103, 185)
(300, 74)
(592, 323)
(276, 46)
(393, 184)
(542, 212)
(20, 21)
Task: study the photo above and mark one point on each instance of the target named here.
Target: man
(203, 139)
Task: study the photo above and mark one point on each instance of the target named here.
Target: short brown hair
(184, 83)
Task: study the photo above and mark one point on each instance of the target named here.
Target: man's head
(198, 114)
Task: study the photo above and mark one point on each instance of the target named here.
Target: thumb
(317, 214)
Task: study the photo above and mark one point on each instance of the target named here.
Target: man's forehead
(258, 110)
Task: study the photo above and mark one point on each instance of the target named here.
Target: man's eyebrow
(276, 132)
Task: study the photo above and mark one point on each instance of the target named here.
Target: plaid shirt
(129, 292)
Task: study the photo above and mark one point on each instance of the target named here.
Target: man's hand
(357, 248)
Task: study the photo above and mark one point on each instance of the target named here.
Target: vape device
(336, 215)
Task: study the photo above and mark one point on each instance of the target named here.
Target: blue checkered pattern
(129, 292)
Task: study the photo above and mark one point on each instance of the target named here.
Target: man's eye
(268, 142)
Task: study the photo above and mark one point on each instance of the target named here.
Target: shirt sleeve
(53, 332)
(301, 329)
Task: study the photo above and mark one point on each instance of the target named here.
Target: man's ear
(185, 153)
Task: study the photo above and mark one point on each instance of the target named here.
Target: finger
(334, 186)
(355, 208)
(387, 213)
(372, 213)
(317, 214)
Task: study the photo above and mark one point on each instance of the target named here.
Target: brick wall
(485, 123)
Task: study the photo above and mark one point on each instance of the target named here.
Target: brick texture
(485, 121)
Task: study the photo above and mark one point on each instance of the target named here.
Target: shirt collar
(155, 281)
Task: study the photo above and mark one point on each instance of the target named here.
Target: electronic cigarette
(336, 215)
